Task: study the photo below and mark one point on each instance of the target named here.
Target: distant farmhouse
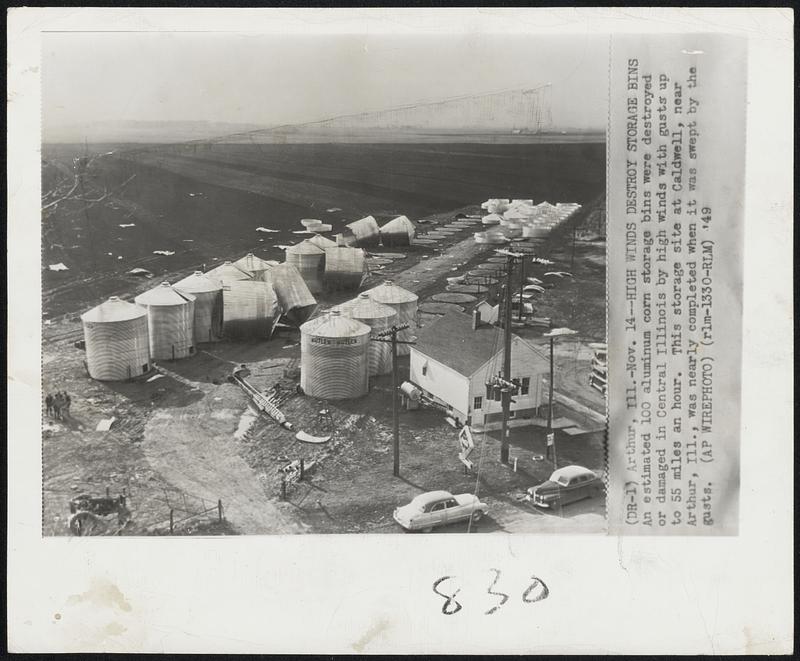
(454, 357)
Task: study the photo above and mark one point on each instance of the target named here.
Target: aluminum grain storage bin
(398, 232)
(345, 268)
(309, 260)
(170, 321)
(365, 231)
(228, 272)
(254, 266)
(208, 305)
(295, 300)
(322, 242)
(333, 357)
(250, 310)
(378, 317)
(404, 303)
(117, 340)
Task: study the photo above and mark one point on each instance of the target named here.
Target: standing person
(67, 402)
(49, 404)
(57, 402)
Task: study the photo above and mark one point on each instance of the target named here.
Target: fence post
(302, 468)
(171, 520)
(219, 509)
(108, 492)
(283, 488)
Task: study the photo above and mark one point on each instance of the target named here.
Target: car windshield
(563, 481)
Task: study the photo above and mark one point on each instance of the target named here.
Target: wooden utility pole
(390, 335)
(505, 394)
(395, 410)
(551, 443)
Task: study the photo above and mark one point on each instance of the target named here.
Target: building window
(477, 403)
(526, 385)
(145, 367)
(424, 369)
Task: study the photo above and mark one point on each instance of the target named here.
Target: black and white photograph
(430, 330)
(326, 284)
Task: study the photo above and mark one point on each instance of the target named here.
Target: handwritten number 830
(536, 591)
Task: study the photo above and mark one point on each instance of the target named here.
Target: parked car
(566, 485)
(439, 508)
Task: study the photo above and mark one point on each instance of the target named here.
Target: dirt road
(196, 452)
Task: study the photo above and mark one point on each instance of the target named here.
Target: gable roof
(451, 341)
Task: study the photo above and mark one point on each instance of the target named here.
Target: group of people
(58, 404)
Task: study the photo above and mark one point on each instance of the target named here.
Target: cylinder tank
(295, 300)
(309, 260)
(250, 310)
(378, 317)
(365, 231)
(322, 242)
(253, 266)
(333, 358)
(345, 268)
(117, 340)
(398, 232)
(404, 303)
(228, 272)
(170, 321)
(208, 305)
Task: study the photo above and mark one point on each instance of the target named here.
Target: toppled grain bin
(208, 305)
(405, 304)
(333, 358)
(254, 266)
(309, 259)
(295, 300)
(398, 232)
(117, 340)
(170, 321)
(365, 231)
(345, 268)
(378, 317)
(250, 309)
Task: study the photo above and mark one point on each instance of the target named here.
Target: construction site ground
(186, 440)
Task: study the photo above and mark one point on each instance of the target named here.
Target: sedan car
(439, 508)
(566, 485)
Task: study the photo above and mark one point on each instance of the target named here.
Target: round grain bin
(398, 232)
(117, 340)
(322, 242)
(333, 357)
(378, 317)
(404, 303)
(228, 272)
(295, 299)
(250, 310)
(254, 266)
(345, 268)
(170, 320)
(365, 231)
(309, 260)
(208, 305)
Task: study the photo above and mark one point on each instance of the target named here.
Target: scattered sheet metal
(105, 425)
(308, 438)
(58, 267)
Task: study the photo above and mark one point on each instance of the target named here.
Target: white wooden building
(454, 357)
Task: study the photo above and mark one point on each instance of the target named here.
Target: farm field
(205, 202)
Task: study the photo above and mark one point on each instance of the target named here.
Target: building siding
(459, 391)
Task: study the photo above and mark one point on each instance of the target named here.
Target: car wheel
(477, 515)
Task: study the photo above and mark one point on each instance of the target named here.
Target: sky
(268, 80)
